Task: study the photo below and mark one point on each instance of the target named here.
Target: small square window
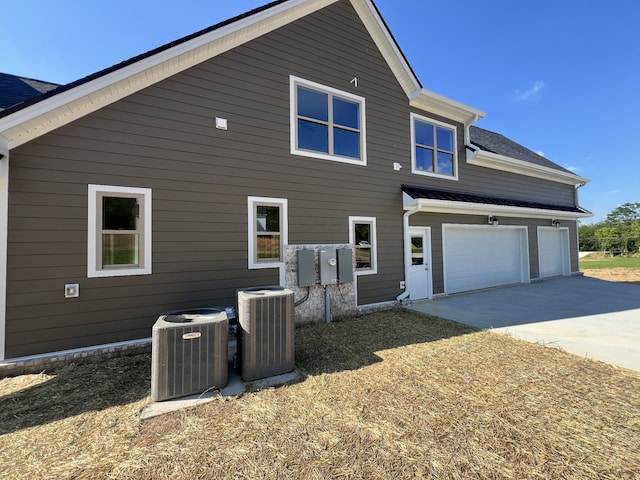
(327, 123)
(434, 148)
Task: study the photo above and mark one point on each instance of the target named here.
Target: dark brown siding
(164, 138)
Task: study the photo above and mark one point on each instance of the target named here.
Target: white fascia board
(466, 208)
(387, 45)
(56, 111)
(429, 101)
(482, 158)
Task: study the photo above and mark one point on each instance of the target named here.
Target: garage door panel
(482, 257)
(553, 252)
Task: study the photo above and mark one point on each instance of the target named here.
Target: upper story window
(327, 123)
(434, 148)
(267, 231)
(119, 231)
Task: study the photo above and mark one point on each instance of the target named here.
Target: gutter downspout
(4, 234)
(407, 249)
(467, 137)
(576, 198)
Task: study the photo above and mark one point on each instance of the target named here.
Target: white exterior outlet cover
(71, 290)
(221, 123)
(397, 166)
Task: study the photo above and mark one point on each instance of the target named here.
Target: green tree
(626, 213)
(610, 239)
(588, 240)
(634, 234)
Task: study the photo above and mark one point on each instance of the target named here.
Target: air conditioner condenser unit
(266, 332)
(189, 352)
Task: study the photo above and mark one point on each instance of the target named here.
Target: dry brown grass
(390, 395)
(623, 275)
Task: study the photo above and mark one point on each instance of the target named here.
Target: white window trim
(92, 231)
(374, 246)
(293, 83)
(252, 203)
(414, 169)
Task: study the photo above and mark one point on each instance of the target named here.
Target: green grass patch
(587, 263)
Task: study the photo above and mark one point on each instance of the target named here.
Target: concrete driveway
(581, 315)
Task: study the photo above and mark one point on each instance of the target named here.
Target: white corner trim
(482, 158)
(59, 110)
(4, 234)
(429, 101)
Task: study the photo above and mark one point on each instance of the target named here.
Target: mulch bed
(389, 395)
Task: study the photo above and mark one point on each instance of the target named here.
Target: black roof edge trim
(414, 192)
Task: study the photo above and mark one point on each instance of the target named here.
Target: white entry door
(419, 268)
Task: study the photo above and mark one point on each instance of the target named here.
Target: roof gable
(52, 110)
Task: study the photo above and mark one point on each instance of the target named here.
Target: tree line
(618, 234)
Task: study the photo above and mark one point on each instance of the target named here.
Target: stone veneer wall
(343, 295)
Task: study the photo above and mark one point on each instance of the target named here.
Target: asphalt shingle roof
(15, 90)
(496, 143)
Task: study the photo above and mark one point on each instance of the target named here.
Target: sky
(560, 77)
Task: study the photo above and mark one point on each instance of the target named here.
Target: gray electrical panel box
(345, 265)
(306, 268)
(328, 262)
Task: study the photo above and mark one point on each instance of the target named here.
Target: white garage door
(483, 256)
(553, 251)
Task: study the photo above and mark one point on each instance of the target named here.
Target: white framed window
(268, 231)
(362, 235)
(327, 123)
(119, 231)
(434, 151)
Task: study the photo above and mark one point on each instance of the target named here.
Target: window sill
(434, 175)
(365, 272)
(258, 266)
(121, 272)
(333, 158)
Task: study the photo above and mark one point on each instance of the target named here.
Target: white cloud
(573, 168)
(540, 152)
(534, 91)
